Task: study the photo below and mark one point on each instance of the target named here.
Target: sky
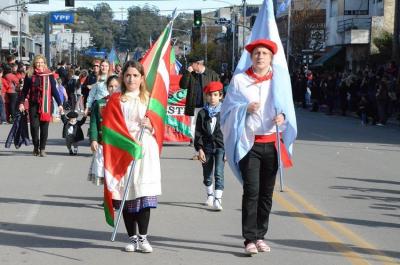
(120, 6)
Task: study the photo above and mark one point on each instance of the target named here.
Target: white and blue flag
(264, 28)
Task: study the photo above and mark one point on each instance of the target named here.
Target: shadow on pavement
(194, 205)
(49, 203)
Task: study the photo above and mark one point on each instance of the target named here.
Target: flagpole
(278, 140)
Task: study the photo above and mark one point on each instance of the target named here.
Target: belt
(271, 138)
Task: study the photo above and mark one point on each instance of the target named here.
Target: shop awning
(327, 56)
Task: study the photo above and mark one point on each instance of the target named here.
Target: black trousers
(12, 104)
(258, 168)
(141, 219)
(36, 125)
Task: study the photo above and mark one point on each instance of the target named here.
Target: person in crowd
(99, 89)
(70, 87)
(249, 104)
(13, 89)
(79, 107)
(90, 80)
(63, 72)
(382, 100)
(96, 170)
(72, 130)
(130, 106)
(62, 93)
(209, 142)
(194, 79)
(3, 88)
(40, 86)
(363, 110)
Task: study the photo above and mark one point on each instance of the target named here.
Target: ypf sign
(62, 17)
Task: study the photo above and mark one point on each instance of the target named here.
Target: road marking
(33, 211)
(321, 232)
(356, 239)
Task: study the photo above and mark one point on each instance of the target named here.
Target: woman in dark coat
(40, 86)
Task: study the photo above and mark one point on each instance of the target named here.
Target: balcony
(353, 23)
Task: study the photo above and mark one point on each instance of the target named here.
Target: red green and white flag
(157, 65)
(119, 150)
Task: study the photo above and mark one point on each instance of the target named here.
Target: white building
(353, 24)
(61, 43)
(14, 29)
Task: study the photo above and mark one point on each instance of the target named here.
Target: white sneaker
(217, 204)
(132, 246)
(210, 200)
(144, 245)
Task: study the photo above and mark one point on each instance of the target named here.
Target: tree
(384, 44)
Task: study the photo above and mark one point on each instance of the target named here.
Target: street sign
(62, 17)
(222, 21)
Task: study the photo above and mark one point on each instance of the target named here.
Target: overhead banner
(177, 127)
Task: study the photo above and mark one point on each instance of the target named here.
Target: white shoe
(144, 245)
(130, 247)
(210, 200)
(217, 204)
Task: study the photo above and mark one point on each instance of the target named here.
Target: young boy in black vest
(72, 131)
(208, 141)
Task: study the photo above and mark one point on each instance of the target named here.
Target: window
(334, 8)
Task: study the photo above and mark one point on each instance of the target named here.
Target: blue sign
(62, 17)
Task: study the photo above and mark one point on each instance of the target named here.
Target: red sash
(271, 138)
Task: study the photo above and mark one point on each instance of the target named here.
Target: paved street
(341, 205)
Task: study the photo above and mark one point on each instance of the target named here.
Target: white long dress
(147, 175)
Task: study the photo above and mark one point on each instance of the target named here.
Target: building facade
(354, 24)
(14, 30)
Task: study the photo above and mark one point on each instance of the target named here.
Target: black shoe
(35, 152)
(70, 152)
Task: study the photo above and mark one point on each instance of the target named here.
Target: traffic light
(70, 3)
(197, 18)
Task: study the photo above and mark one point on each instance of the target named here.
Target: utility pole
(244, 22)
(47, 37)
(73, 48)
(396, 37)
(233, 29)
(288, 34)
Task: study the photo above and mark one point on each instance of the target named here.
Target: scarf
(44, 95)
(212, 110)
(258, 78)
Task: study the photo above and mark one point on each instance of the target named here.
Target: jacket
(189, 81)
(203, 138)
(77, 128)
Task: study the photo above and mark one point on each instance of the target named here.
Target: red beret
(269, 44)
(213, 86)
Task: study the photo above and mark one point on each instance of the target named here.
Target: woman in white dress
(146, 182)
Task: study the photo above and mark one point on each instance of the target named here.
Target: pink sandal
(262, 246)
(250, 249)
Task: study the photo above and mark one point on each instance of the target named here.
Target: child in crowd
(72, 131)
(363, 110)
(62, 93)
(209, 143)
(96, 171)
